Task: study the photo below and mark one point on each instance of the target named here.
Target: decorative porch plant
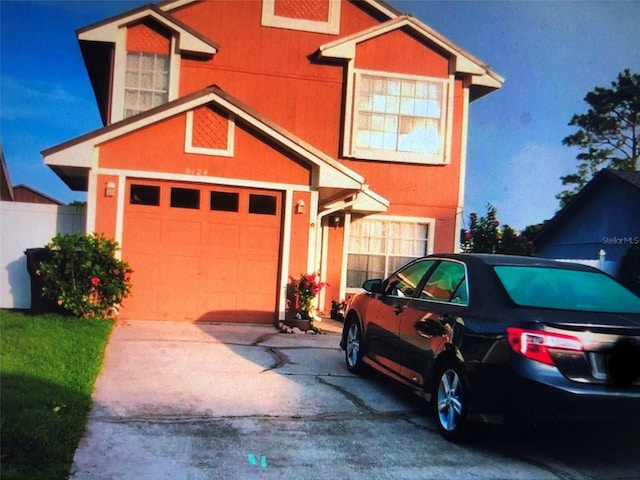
(307, 287)
(83, 275)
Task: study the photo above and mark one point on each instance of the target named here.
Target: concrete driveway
(190, 401)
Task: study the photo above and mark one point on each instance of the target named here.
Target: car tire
(450, 400)
(353, 347)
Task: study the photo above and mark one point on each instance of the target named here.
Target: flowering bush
(307, 288)
(485, 236)
(83, 275)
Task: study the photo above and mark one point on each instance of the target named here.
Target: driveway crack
(280, 359)
(354, 399)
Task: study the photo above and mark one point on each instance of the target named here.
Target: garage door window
(224, 201)
(185, 198)
(262, 204)
(144, 195)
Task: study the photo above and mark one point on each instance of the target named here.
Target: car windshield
(566, 289)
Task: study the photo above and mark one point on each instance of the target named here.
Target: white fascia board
(172, 5)
(492, 81)
(80, 155)
(368, 201)
(108, 32)
(345, 48)
(381, 7)
(331, 172)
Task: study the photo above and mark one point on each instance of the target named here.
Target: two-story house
(249, 141)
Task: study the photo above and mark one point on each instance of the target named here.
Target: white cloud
(33, 100)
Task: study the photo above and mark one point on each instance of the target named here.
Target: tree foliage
(609, 133)
(485, 235)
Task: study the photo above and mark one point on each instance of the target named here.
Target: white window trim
(120, 68)
(351, 121)
(331, 27)
(188, 139)
(431, 222)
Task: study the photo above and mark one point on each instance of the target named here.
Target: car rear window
(566, 289)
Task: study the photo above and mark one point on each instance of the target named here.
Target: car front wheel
(353, 352)
(451, 403)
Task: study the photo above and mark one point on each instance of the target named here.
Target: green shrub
(83, 275)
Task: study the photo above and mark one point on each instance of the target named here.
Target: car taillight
(536, 344)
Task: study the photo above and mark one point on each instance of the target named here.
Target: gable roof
(482, 78)
(25, 193)
(617, 177)
(189, 40)
(97, 45)
(72, 160)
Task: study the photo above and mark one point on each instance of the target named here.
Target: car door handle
(398, 309)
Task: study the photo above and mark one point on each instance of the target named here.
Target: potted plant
(307, 287)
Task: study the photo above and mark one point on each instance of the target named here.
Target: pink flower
(38, 272)
(95, 281)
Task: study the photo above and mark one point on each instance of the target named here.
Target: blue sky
(551, 53)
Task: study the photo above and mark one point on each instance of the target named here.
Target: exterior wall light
(335, 221)
(110, 189)
(300, 207)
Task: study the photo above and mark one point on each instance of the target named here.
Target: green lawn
(48, 368)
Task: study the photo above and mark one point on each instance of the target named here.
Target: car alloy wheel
(450, 404)
(353, 355)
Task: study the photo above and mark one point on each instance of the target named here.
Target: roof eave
(465, 63)
(78, 154)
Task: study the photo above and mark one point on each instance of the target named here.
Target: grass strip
(48, 367)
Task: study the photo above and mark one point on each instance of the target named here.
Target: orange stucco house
(248, 141)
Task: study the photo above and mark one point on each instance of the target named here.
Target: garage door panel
(225, 238)
(179, 233)
(145, 227)
(204, 264)
(257, 240)
(217, 302)
(218, 274)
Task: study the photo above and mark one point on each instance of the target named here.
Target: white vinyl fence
(600, 263)
(29, 225)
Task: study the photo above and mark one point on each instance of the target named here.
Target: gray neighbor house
(599, 225)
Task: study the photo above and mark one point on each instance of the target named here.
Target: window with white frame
(378, 247)
(401, 118)
(146, 82)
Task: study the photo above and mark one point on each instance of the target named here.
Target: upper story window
(146, 82)
(399, 117)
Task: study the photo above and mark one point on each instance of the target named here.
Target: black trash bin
(39, 304)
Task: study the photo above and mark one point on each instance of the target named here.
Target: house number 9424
(196, 171)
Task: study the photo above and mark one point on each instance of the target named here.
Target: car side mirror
(373, 286)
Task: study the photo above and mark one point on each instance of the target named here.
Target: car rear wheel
(353, 352)
(451, 403)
